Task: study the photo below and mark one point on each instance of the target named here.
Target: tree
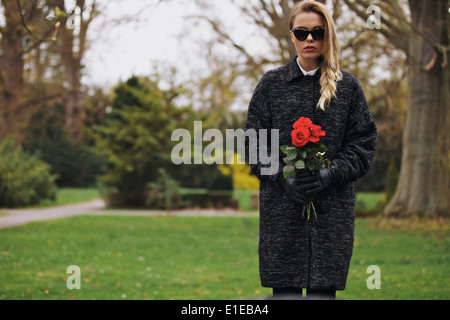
(11, 79)
(423, 186)
(37, 40)
(17, 41)
(42, 50)
(72, 45)
(135, 139)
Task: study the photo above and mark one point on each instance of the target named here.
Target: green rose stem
(307, 207)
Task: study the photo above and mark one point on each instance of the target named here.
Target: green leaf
(289, 174)
(303, 154)
(284, 149)
(300, 164)
(289, 171)
(285, 159)
(292, 154)
(289, 167)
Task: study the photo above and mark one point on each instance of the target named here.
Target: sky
(119, 50)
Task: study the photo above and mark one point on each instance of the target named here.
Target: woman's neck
(308, 65)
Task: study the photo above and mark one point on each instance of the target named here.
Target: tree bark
(12, 81)
(73, 107)
(423, 188)
(72, 47)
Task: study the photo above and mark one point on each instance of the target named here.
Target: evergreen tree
(136, 139)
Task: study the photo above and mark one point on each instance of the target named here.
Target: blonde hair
(329, 66)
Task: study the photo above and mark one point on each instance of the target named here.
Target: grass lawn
(244, 198)
(71, 195)
(367, 203)
(65, 196)
(202, 258)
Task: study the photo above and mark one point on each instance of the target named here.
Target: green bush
(210, 199)
(201, 176)
(135, 140)
(75, 163)
(220, 181)
(24, 178)
(164, 193)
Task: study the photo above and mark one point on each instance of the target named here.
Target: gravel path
(15, 217)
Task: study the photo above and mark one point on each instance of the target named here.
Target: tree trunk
(72, 48)
(71, 62)
(11, 123)
(423, 188)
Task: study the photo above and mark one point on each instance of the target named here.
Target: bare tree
(72, 45)
(28, 37)
(42, 50)
(423, 186)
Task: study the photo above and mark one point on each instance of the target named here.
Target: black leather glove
(311, 184)
(293, 189)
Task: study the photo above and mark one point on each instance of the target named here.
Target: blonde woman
(296, 253)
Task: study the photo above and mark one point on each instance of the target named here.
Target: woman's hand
(295, 191)
(311, 184)
(292, 188)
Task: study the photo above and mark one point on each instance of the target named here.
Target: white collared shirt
(309, 73)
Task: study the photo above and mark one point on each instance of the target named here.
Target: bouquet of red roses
(305, 154)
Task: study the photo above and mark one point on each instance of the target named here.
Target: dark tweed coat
(294, 252)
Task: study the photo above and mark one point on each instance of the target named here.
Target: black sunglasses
(301, 34)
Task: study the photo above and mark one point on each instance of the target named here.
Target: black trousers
(295, 293)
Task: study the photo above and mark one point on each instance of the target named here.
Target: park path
(15, 217)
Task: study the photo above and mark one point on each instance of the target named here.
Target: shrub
(242, 178)
(201, 176)
(24, 178)
(75, 163)
(220, 181)
(208, 199)
(135, 139)
(164, 193)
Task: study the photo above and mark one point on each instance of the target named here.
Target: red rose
(316, 133)
(302, 122)
(300, 136)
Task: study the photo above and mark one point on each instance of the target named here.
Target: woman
(295, 253)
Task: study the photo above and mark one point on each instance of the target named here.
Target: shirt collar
(307, 73)
(293, 70)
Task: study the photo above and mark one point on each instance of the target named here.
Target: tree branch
(24, 24)
(37, 101)
(216, 28)
(395, 35)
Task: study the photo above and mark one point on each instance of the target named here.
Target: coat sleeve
(354, 158)
(260, 141)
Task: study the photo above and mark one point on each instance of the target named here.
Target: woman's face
(310, 49)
